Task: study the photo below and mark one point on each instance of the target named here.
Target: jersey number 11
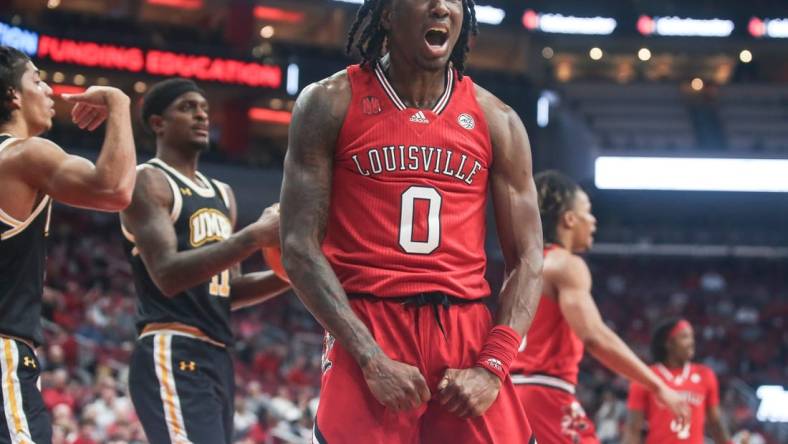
(220, 284)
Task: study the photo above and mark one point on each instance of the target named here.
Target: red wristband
(499, 351)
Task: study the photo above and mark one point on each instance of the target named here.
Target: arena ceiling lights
(691, 174)
(774, 28)
(684, 27)
(561, 24)
(21, 39)
(266, 115)
(180, 4)
(278, 14)
(489, 15)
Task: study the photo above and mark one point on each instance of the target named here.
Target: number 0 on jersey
(409, 198)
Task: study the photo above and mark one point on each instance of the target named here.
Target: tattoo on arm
(148, 220)
(306, 194)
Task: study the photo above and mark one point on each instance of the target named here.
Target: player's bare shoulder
(327, 99)
(507, 133)
(490, 104)
(151, 188)
(32, 159)
(498, 114)
(562, 266)
(32, 151)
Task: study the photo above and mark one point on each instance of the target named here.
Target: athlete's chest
(689, 383)
(418, 144)
(203, 221)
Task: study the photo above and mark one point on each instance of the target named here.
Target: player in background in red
(672, 347)
(383, 226)
(568, 321)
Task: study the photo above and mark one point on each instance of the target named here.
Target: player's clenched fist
(468, 392)
(396, 385)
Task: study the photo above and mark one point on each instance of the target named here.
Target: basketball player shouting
(33, 172)
(673, 347)
(567, 322)
(383, 227)
(181, 245)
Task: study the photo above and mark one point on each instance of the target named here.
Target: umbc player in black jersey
(184, 257)
(33, 172)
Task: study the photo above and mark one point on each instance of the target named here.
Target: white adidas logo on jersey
(419, 117)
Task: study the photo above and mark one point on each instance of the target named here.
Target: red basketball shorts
(555, 415)
(348, 413)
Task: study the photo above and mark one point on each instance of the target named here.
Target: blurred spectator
(609, 417)
(109, 407)
(58, 392)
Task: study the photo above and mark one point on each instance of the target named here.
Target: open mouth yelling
(437, 41)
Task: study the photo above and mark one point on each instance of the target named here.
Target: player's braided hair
(556, 193)
(12, 67)
(368, 37)
(659, 339)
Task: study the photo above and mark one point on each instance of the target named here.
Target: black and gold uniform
(181, 378)
(22, 264)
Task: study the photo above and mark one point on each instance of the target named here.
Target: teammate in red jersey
(672, 347)
(383, 227)
(567, 322)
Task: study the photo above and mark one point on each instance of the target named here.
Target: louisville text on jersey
(395, 158)
(692, 398)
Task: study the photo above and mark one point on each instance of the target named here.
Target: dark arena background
(672, 114)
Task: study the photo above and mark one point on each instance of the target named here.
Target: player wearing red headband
(672, 347)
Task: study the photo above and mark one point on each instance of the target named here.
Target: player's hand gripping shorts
(431, 337)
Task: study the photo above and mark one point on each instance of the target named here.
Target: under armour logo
(27, 361)
(188, 366)
(186, 191)
(419, 117)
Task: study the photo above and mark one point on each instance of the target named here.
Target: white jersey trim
(550, 381)
(49, 219)
(222, 187)
(11, 139)
(389, 89)
(678, 380)
(8, 219)
(171, 402)
(204, 190)
(175, 211)
(20, 227)
(5, 217)
(16, 420)
(177, 199)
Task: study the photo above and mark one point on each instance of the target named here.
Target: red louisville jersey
(553, 349)
(697, 384)
(409, 192)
